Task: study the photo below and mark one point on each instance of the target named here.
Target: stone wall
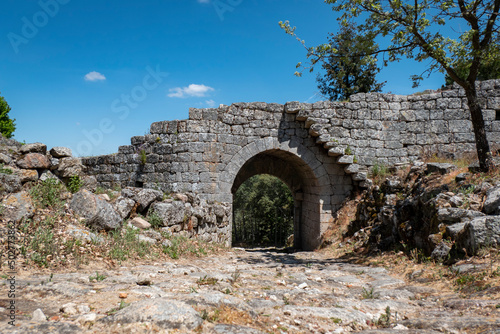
(321, 150)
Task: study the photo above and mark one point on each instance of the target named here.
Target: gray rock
(124, 206)
(146, 239)
(166, 243)
(48, 327)
(480, 232)
(98, 213)
(170, 213)
(147, 196)
(454, 230)
(38, 316)
(441, 168)
(440, 253)
(34, 161)
(163, 312)
(69, 167)
(5, 159)
(33, 148)
(89, 183)
(462, 177)
(235, 329)
(83, 235)
(9, 183)
(455, 215)
(492, 203)
(47, 174)
(61, 152)
(18, 206)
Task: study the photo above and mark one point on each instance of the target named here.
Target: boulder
(455, 215)
(83, 235)
(5, 159)
(9, 183)
(144, 197)
(170, 213)
(441, 168)
(124, 206)
(440, 253)
(18, 206)
(61, 152)
(147, 196)
(140, 223)
(492, 203)
(480, 232)
(163, 312)
(69, 167)
(98, 213)
(27, 175)
(89, 183)
(34, 161)
(33, 148)
(47, 174)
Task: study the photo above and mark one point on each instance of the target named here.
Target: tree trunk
(482, 146)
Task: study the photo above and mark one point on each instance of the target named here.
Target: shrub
(74, 184)
(47, 193)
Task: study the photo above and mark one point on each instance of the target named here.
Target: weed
(235, 276)
(42, 246)
(74, 184)
(336, 320)
(5, 170)
(348, 150)
(116, 309)
(369, 294)
(98, 277)
(205, 280)
(379, 170)
(355, 159)
(142, 157)
(48, 193)
(385, 319)
(155, 220)
(193, 290)
(124, 245)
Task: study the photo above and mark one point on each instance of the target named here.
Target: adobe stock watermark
(223, 6)
(11, 272)
(31, 27)
(122, 107)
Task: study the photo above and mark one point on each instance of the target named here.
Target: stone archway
(300, 170)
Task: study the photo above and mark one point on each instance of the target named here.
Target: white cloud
(210, 103)
(94, 76)
(191, 90)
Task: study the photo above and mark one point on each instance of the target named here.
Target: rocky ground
(260, 291)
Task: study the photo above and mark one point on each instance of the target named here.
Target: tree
(351, 69)
(7, 125)
(416, 30)
(489, 68)
(263, 212)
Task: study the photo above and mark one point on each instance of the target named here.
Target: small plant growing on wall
(142, 157)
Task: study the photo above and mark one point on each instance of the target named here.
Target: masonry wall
(329, 146)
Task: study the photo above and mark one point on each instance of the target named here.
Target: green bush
(48, 193)
(7, 125)
(74, 184)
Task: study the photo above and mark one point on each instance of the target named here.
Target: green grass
(5, 170)
(98, 277)
(125, 245)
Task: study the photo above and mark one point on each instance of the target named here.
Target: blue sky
(91, 74)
